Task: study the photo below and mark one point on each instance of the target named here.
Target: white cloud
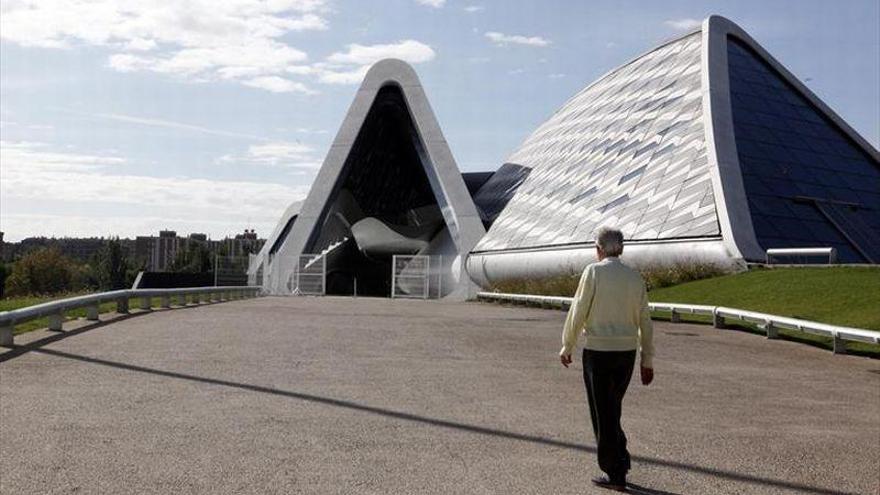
(257, 58)
(335, 76)
(131, 119)
(279, 153)
(302, 130)
(293, 156)
(350, 66)
(277, 84)
(79, 181)
(141, 45)
(411, 51)
(432, 3)
(54, 23)
(502, 39)
(242, 41)
(471, 9)
(198, 41)
(37, 157)
(32, 127)
(685, 24)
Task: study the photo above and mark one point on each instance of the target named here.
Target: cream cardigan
(610, 308)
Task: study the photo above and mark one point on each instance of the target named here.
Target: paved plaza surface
(340, 395)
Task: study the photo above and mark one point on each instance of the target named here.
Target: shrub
(558, 285)
(655, 275)
(44, 271)
(679, 272)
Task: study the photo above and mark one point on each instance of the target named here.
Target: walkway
(335, 395)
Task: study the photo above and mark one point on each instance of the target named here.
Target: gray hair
(610, 241)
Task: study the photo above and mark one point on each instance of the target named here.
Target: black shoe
(606, 482)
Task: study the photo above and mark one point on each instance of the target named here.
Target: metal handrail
(55, 309)
(830, 252)
(768, 322)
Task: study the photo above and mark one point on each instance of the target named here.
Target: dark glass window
(589, 192)
(617, 202)
(634, 173)
(808, 184)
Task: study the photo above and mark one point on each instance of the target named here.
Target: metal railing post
(675, 316)
(393, 275)
(440, 278)
(122, 305)
(426, 286)
(181, 299)
(6, 337)
(166, 301)
(92, 312)
(146, 304)
(771, 330)
(717, 320)
(839, 345)
(56, 322)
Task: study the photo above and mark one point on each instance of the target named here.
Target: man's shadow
(641, 490)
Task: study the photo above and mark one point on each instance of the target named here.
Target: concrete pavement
(339, 395)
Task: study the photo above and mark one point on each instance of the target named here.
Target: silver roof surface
(628, 150)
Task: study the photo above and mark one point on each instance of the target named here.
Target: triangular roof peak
(390, 70)
(457, 207)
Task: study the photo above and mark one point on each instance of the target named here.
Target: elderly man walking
(610, 307)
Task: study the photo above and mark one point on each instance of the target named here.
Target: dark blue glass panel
(789, 151)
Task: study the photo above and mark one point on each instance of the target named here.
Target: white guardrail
(55, 309)
(828, 252)
(769, 323)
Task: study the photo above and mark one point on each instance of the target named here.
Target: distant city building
(157, 253)
(152, 253)
(78, 249)
(164, 250)
(242, 244)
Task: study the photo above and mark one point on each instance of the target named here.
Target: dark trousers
(606, 376)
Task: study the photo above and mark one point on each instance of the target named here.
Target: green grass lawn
(847, 296)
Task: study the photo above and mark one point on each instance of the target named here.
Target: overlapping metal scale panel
(627, 151)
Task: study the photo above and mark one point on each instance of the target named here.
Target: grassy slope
(848, 296)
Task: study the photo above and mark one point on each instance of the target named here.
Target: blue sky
(122, 118)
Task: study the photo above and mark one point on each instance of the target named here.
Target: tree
(112, 266)
(4, 274)
(196, 258)
(43, 271)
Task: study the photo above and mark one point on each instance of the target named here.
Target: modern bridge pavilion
(703, 149)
